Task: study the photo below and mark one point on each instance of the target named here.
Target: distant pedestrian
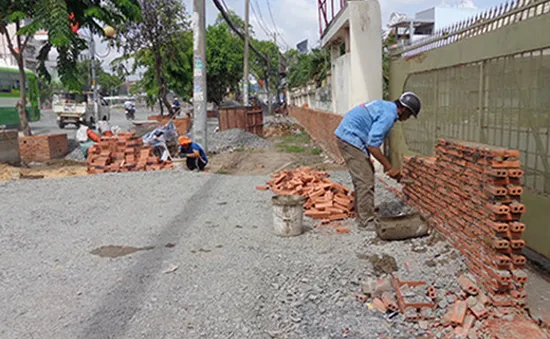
(359, 135)
(196, 156)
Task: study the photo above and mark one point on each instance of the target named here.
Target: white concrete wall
(365, 31)
(316, 98)
(341, 83)
(357, 75)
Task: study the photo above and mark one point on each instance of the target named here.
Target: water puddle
(115, 251)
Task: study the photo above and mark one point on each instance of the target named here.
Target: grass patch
(292, 149)
(316, 151)
(294, 143)
(240, 149)
(222, 172)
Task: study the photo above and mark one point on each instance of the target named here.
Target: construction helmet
(410, 101)
(183, 140)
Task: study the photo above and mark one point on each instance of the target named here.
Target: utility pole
(269, 111)
(199, 73)
(94, 77)
(278, 69)
(246, 42)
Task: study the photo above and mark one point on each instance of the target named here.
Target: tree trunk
(161, 80)
(22, 103)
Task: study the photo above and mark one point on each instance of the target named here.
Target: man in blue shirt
(196, 156)
(360, 134)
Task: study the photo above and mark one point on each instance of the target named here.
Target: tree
(224, 52)
(303, 68)
(106, 82)
(28, 16)
(152, 40)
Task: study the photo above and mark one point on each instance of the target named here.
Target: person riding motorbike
(176, 107)
(130, 110)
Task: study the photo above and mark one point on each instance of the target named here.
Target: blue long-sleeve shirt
(368, 124)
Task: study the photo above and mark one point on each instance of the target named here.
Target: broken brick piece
(459, 312)
(379, 305)
(389, 301)
(262, 188)
(467, 285)
(479, 311)
(342, 229)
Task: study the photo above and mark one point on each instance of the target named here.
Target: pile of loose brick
(467, 313)
(472, 193)
(123, 153)
(326, 200)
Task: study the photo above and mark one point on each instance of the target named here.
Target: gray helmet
(411, 101)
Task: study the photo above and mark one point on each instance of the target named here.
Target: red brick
(515, 173)
(262, 188)
(44, 147)
(506, 164)
(389, 301)
(515, 190)
(516, 207)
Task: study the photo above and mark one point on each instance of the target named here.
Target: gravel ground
(235, 279)
(232, 139)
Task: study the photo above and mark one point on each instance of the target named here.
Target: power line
(225, 6)
(239, 33)
(274, 25)
(262, 17)
(266, 31)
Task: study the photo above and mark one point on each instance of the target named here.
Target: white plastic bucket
(288, 214)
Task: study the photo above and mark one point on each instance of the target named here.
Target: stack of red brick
(472, 193)
(326, 200)
(123, 153)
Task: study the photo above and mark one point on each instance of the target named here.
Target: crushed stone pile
(232, 139)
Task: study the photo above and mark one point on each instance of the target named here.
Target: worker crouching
(196, 156)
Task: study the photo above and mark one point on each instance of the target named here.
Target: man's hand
(394, 173)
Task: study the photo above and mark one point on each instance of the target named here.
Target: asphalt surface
(48, 123)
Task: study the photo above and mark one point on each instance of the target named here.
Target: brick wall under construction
(320, 125)
(472, 194)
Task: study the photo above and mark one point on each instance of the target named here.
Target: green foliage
(316, 151)
(225, 55)
(161, 43)
(47, 88)
(305, 67)
(53, 16)
(390, 40)
(294, 143)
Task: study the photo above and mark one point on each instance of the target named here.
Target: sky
(297, 20)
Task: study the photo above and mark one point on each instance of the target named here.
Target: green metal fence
(503, 101)
(486, 80)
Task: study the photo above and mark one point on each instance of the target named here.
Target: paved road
(48, 125)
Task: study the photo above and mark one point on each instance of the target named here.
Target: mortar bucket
(288, 214)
